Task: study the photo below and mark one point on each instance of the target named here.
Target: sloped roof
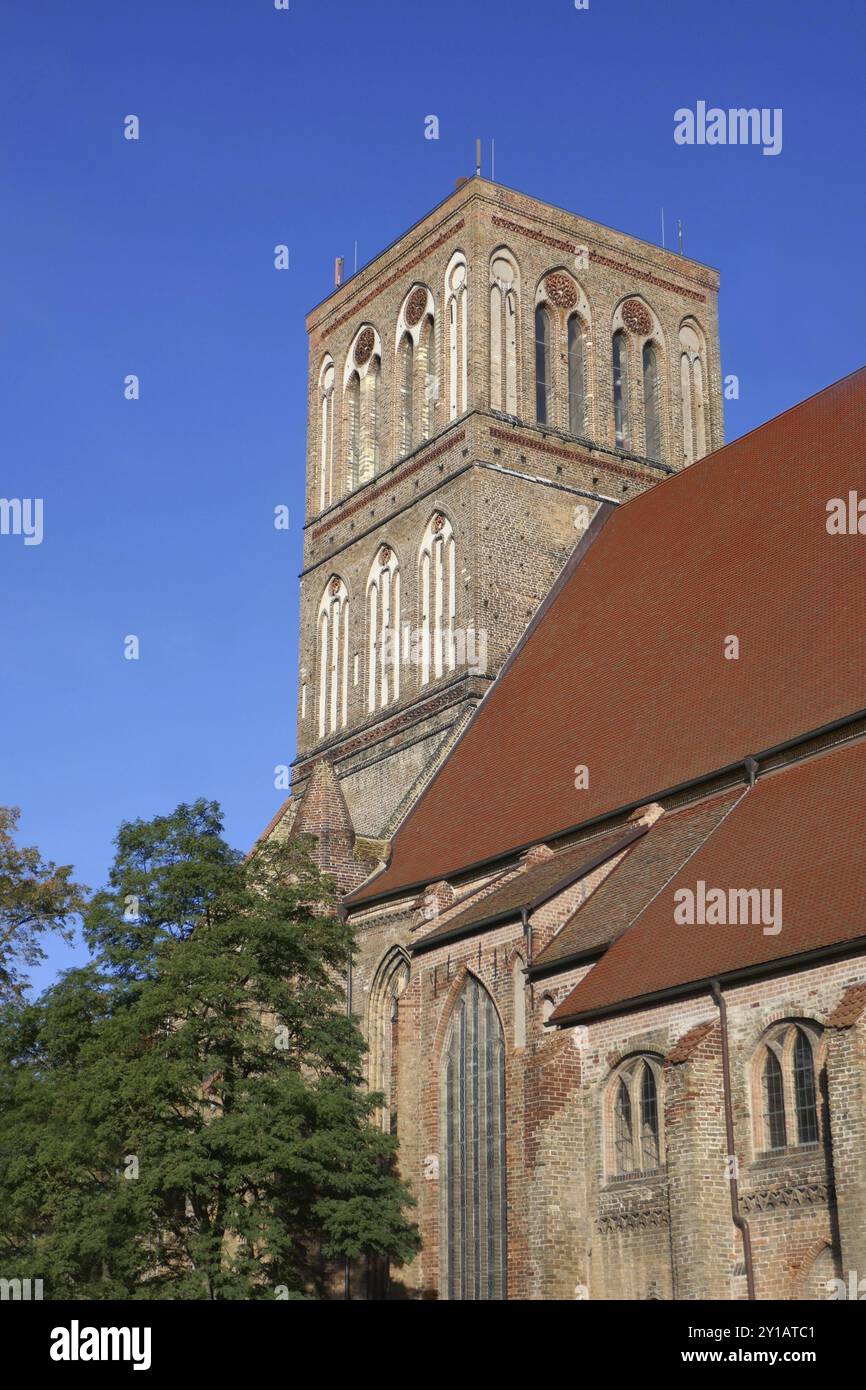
(625, 670)
(801, 831)
(535, 884)
(642, 873)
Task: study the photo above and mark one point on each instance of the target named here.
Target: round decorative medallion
(385, 556)
(438, 522)
(636, 318)
(561, 290)
(364, 346)
(335, 585)
(503, 272)
(457, 278)
(415, 306)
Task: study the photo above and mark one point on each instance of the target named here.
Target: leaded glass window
(774, 1102)
(542, 366)
(472, 1177)
(620, 388)
(804, 1090)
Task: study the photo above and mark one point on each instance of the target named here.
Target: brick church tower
(474, 393)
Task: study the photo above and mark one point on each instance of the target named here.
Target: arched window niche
(333, 656)
(788, 1084)
(389, 982)
(472, 1170)
(634, 1139)
(361, 408)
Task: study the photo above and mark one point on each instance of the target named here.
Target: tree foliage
(186, 1116)
(36, 897)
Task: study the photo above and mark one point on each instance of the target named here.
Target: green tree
(186, 1117)
(36, 897)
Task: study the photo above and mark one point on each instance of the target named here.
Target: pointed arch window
(390, 980)
(406, 372)
(383, 629)
(805, 1094)
(361, 408)
(428, 378)
(352, 403)
(438, 594)
(326, 432)
(692, 392)
(774, 1102)
(634, 1119)
(368, 430)
(543, 365)
(504, 294)
(457, 327)
(789, 1062)
(472, 1161)
(333, 657)
(620, 389)
(651, 400)
(577, 415)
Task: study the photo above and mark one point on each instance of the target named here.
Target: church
(581, 717)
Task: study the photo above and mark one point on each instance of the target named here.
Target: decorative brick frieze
(601, 465)
(383, 285)
(791, 1195)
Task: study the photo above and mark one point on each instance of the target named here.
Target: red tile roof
(644, 871)
(625, 671)
(801, 831)
(534, 884)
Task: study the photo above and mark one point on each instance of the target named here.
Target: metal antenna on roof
(680, 235)
(492, 161)
(356, 258)
(477, 157)
(663, 227)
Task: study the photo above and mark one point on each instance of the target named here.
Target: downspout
(738, 1219)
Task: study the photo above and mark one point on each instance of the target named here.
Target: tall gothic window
(326, 432)
(620, 388)
(651, 400)
(361, 407)
(774, 1102)
(504, 291)
(635, 1144)
(576, 376)
(383, 629)
(543, 365)
(472, 1166)
(787, 1112)
(457, 325)
(333, 657)
(368, 447)
(382, 1058)
(692, 390)
(438, 593)
(352, 403)
(406, 372)
(429, 380)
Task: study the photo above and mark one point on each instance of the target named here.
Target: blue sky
(155, 257)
